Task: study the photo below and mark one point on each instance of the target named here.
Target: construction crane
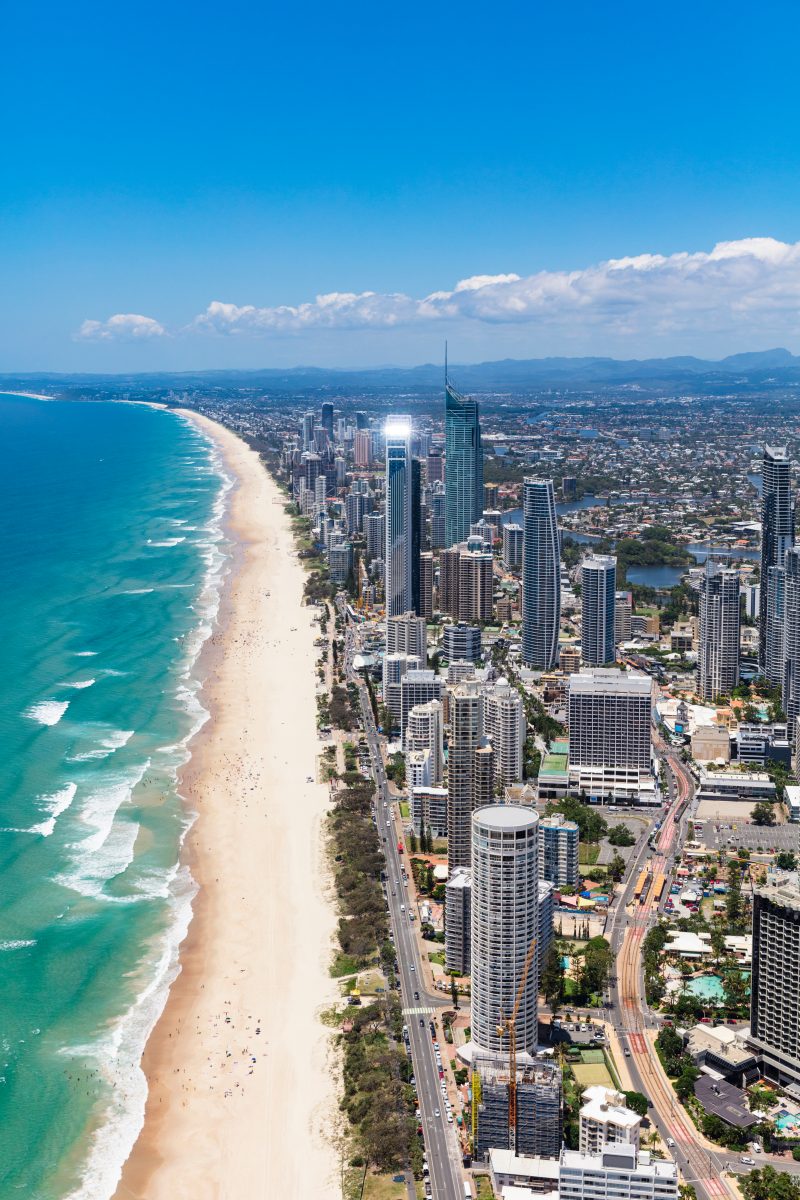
(509, 1025)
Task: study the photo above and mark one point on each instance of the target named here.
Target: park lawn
(588, 1074)
(588, 853)
(436, 956)
(383, 1187)
(404, 809)
(483, 1185)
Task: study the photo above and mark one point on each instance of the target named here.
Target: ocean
(112, 553)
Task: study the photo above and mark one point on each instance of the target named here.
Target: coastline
(241, 1086)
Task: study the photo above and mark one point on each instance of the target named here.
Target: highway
(441, 1143)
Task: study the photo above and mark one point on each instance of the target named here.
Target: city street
(441, 1144)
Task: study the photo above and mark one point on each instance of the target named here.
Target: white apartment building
(504, 922)
(407, 634)
(417, 688)
(606, 1120)
(425, 731)
(504, 717)
(616, 1173)
(559, 850)
(418, 769)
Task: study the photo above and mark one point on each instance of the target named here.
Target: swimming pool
(710, 987)
(787, 1121)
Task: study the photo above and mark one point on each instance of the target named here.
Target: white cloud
(735, 285)
(123, 327)
(730, 293)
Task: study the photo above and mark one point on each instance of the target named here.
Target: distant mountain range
(763, 369)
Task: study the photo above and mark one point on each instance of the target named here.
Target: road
(700, 1166)
(441, 1144)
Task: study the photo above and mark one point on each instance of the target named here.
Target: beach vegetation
(374, 1065)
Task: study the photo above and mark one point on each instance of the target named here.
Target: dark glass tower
(463, 465)
(541, 575)
(777, 536)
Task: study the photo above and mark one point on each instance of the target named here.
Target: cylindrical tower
(505, 916)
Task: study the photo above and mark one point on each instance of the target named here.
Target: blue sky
(158, 159)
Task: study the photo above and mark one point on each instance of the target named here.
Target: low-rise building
(605, 1120)
(509, 1170)
(723, 1051)
(616, 1173)
(748, 786)
(711, 743)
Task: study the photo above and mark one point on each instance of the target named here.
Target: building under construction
(538, 1106)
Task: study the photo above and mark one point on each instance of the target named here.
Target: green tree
(733, 898)
(616, 868)
(637, 1102)
(684, 1084)
(763, 813)
(454, 991)
(735, 989)
(786, 861)
(597, 959)
(621, 835)
(553, 977)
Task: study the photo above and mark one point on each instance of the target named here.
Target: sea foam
(54, 804)
(47, 712)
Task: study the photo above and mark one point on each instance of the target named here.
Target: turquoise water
(111, 557)
(787, 1121)
(707, 987)
(710, 987)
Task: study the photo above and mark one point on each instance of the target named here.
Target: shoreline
(241, 1085)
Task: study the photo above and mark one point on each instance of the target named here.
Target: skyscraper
(463, 465)
(609, 735)
(541, 575)
(504, 922)
(424, 732)
(790, 682)
(598, 587)
(416, 530)
(505, 725)
(326, 418)
(718, 649)
(777, 529)
(399, 497)
(466, 731)
(426, 585)
(407, 634)
(466, 582)
(774, 1012)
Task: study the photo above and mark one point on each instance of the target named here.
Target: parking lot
(770, 838)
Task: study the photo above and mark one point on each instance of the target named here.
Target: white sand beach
(242, 1077)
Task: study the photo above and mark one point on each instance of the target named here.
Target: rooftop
(506, 816)
(619, 1158)
(607, 680)
(725, 1101)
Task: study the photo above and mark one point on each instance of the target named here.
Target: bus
(642, 887)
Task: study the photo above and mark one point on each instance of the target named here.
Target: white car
(436, 1112)
(748, 1162)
